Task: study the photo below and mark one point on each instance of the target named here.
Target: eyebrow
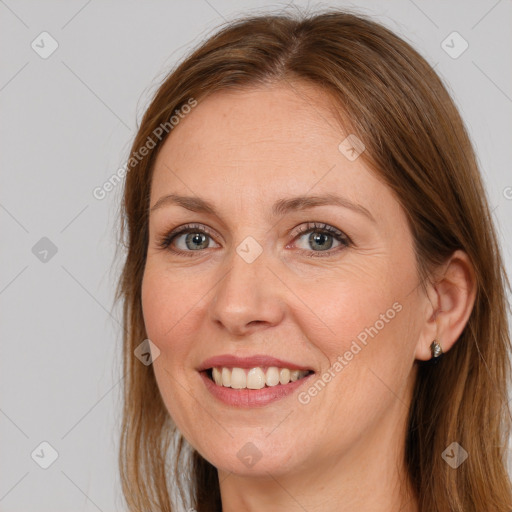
(280, 207)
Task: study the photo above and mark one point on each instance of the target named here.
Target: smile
(254, 378)
(246, 397)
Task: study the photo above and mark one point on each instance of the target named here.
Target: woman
(307, 234)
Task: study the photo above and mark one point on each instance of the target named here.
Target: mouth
(254, 378)
(252, 381)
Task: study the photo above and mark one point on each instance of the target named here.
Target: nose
(248, 297)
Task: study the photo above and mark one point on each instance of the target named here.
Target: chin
(255, 458)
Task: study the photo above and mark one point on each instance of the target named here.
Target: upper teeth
(255, 378)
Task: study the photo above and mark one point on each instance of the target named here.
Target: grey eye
(318, 240)
(194, 241)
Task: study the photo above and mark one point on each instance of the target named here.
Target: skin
(344, 449)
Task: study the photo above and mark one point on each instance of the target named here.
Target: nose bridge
(248, 292)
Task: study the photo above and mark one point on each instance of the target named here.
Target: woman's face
(324, 286)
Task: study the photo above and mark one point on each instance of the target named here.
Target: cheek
(168, 312)
(156, 306)
(165, 303)
(344, 306)
(167, 309)
(363, 322)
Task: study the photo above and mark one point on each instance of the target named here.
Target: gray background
(66, 126)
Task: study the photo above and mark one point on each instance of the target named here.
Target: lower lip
(251, 397)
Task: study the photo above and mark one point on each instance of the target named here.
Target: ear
(451, 295)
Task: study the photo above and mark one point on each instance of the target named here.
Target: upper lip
(231, 361)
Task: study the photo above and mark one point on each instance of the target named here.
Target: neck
(334, 489)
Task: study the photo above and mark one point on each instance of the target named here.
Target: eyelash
(165, 241)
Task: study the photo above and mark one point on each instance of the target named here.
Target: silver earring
(436, 350)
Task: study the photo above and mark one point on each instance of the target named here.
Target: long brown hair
(417, 144)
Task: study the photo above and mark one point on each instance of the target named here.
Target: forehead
(251, 144)
(275, 127)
